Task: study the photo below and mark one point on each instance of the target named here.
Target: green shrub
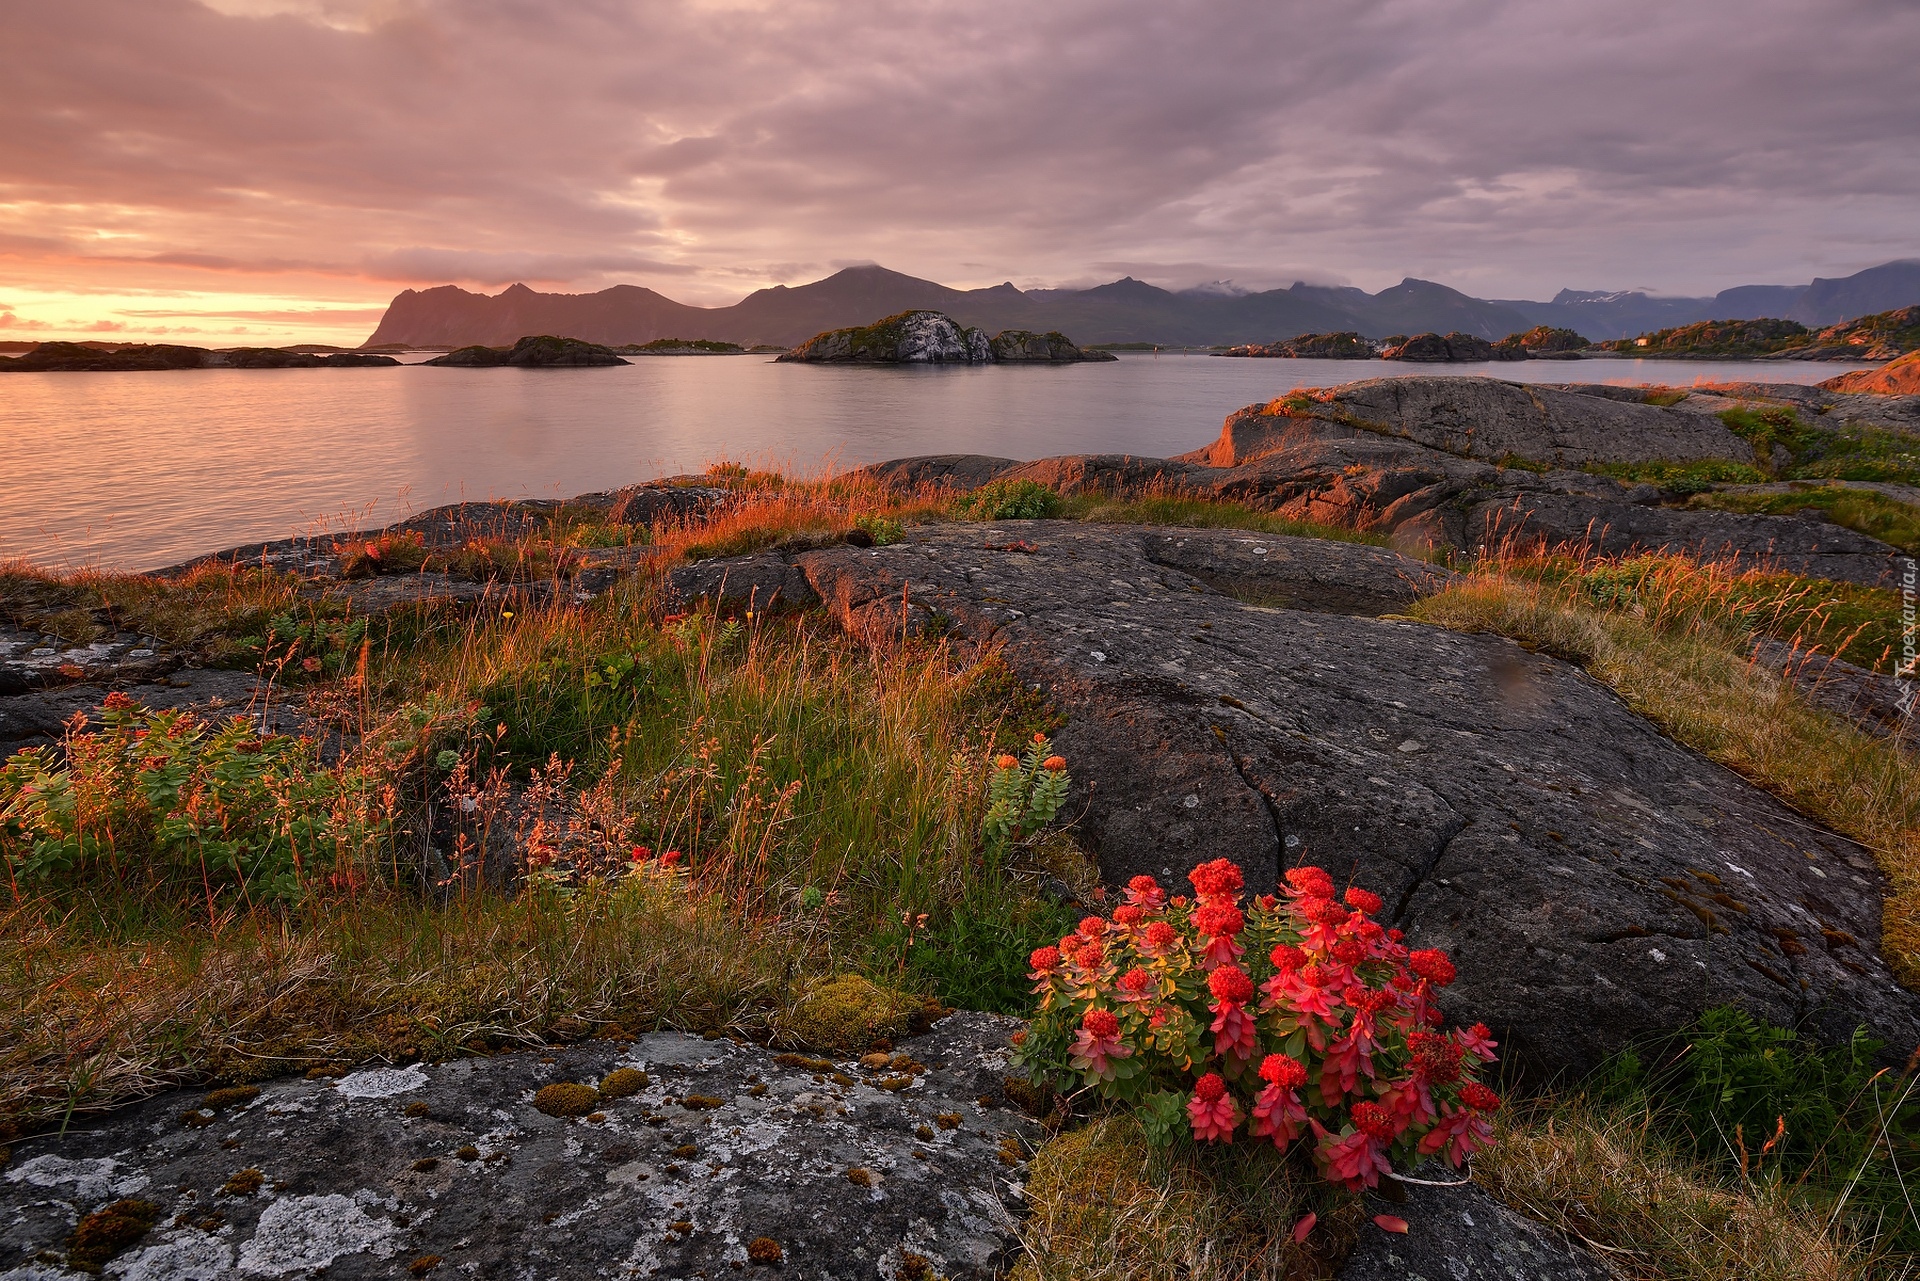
(168, 797)
(1009, 500)
(1756, 1100)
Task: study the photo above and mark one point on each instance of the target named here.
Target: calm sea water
(138, 470)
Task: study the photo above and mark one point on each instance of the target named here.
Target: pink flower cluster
(1296, 1017)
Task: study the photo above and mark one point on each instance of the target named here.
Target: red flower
(1098, 1043)
(1267, 902)
(1477, 1041)
(1435, 1057)
(1479, 1097)
(1432, 965)
(670, 858)
(1347, 1060)
(1323, 911)
(1218, 879)
(1089, 954)
(1278, 1113)
(1212, 1110)
(1349, 952)
(1144, 891)
(1004, 761)
(1287, 958)
(1043, 960)
(1460, 1132)
(1128, 914)
(1230, 984)
(1363, 900)
(1373, 1121)
(1287, 1073)
(640, 854)
(1136, 985)
(1054, 763)
(1092, 927)
(1220, 922)
(118, 702)
(1309, 882)
(1410, 1102)
(1354, 1160)
(1161, 936)
(1219, 918)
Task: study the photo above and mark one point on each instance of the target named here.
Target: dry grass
(90, 1021)
(1682, 664)
(207, 609)
(1651, 1214)
(1103, 1207)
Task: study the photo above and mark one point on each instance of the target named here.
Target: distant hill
(1125, 311)
(1887, 287)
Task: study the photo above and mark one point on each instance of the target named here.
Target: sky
(231, 172)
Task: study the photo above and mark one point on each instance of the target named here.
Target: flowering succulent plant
(1295, 1017)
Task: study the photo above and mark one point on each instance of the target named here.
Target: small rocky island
(532, 352)
(80, 357)
(931, 338)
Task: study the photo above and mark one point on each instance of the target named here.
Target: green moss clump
(104, 1233)
(566, 1098)
(622, 1082)
(232, 1096)
(849, 1013)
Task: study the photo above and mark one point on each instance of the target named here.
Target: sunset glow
(275, 170)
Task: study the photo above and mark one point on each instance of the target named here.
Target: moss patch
(622, 1082)
(849, 1013)
(566, 1098)
(105, 1233)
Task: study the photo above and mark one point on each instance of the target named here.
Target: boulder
(1594, 881)
(1900, 378)
(725, 1158)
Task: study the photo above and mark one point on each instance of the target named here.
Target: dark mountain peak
(516, 290)
(1128, 287)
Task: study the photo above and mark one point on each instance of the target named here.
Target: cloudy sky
(222, 171)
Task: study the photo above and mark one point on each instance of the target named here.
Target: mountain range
(1125, 311)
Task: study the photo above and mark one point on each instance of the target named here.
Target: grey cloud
(1507, 146)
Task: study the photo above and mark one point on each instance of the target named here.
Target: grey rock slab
(1595, 881)
(1488, 419)
(1462, 1234)
(1613, 528)
(675, 1181)
(43, 716)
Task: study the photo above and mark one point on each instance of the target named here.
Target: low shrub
(1009, 500)
(1155, 1007)
(166, 797)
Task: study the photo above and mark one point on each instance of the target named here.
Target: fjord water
(140, 470)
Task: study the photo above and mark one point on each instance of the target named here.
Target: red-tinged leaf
(1390, 1223)
(1305, 1226)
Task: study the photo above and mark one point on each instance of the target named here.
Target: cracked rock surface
(389, 1167)
(1594, 881)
